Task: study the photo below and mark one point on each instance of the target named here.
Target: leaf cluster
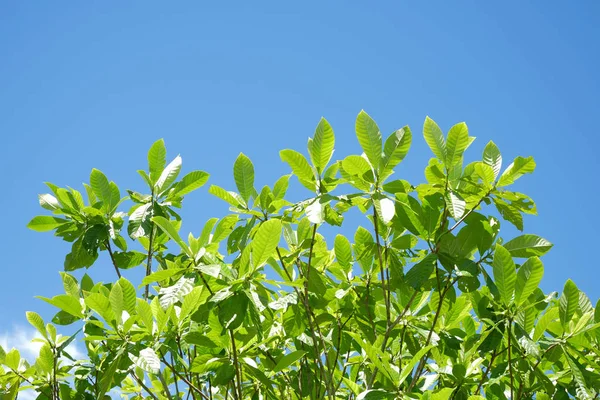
(425, 300)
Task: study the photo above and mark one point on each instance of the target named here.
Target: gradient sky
(93, 84)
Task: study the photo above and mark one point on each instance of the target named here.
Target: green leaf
(45, 360)
(458, 141)
(288, 360)
(343, 251)
(243, 173)
(129, 295)
(321, 149)
(176, 292)
(300, 167)
(12, 359)
(456, 205)
(169, 229)
(168, 175)
(435, 139)
(37, 322)
(44, 223)
(129, 259)
(65, 302)
(101, 188)
(157, 159)
(107, 375)
(70, 284)
(528, 279)
(144, 311)
(395, 149)
(505, 274)
(420, 272)
(369, 137)
(159, 276)
(526, 246)
(280, 187)
(224, 195)
(569, 303)
(582, 388)
(376, 394)
(116, 301)
(191, 182)
(493, 158)
(100, 304)
(147, 361)
(514, 171)
(265, 241)
(191, 302)
(509, 213)
(408, 368)
(232, 310)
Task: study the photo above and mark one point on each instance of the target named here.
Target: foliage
(424, 301)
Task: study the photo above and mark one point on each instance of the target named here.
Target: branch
(112, 257)
(149, 262)
(236, 364)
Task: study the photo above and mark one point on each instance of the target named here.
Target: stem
(435, 319)
(386, 292)
(112, 257)
(28, 381)
(55, 382)
(175, 378)
(149, 263)
(236, 365)
(183, 378)
(165, 386)
(510, 367)
(487, 371)
(139, 381)
(464, 216)
(388, 332)
(309, 315)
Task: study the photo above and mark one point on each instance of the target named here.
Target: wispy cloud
(20, 338)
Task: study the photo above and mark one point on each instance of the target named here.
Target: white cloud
(20, 338)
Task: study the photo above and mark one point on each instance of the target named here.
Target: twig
(112, 257)
(236, 365)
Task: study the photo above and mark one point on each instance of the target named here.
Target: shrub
(426, 301)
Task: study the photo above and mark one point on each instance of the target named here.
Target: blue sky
(90, 84)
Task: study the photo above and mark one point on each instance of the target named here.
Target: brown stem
(112, 257)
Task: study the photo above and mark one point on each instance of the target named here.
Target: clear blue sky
(93, 84)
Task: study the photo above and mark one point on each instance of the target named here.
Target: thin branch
(236, 364)
(510, 366)
(183, 378)
(112, 257)
(487, 371)
(139, 381)
(149, 262)
(386, 292)
(421, 365)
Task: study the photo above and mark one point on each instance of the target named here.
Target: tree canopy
(425, 300)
